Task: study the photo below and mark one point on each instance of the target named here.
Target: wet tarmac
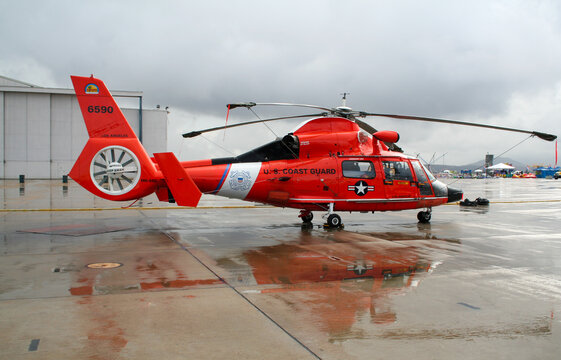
(239, 280)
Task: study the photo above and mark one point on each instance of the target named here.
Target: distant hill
(436, 168)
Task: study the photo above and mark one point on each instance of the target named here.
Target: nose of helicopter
(454, 194)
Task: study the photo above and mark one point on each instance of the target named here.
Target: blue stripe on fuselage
(222, 180)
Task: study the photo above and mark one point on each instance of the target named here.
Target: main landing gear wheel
(306, 216)
(334, 221)
(424, 217)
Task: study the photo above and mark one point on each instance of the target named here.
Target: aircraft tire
(334, 220)
(307, 218)
(424, 217)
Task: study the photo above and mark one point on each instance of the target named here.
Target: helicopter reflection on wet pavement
(353, 274)
(217, 281)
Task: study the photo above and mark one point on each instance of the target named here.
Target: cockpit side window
(397, 170)
(358, 169)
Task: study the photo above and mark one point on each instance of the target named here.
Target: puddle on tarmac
(142, 274)
(335, 277)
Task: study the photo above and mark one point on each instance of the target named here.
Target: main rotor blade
(365, 126)
(297, 105)
(252, 104)
(541, 135)
(199, 132)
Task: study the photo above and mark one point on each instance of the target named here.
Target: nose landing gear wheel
(334, 221)
(424, 217)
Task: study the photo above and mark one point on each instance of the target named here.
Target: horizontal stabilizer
(183, 188)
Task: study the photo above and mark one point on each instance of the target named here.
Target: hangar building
(42, 131)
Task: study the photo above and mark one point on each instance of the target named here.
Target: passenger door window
(358, 169)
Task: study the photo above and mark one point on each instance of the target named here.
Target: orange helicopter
(332, 162)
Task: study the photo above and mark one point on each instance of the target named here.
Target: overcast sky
(495, 62)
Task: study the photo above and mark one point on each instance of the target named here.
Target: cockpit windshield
(429, 174)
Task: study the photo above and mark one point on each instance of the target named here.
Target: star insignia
(361, 188)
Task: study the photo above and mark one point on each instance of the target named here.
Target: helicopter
(332, 162)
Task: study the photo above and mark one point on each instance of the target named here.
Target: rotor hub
(115, 169)
(344, 109)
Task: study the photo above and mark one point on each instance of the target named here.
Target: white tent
(501, 166)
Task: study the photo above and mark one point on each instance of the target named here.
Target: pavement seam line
(235, 290)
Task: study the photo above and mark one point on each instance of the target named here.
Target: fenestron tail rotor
(115, 170)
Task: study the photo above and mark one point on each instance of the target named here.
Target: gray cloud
(488, 61)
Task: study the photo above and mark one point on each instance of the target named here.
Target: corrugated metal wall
(27, 134)
(41, 135)
(1, 134)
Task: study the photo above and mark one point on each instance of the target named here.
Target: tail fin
(102, 116)
(113, 164)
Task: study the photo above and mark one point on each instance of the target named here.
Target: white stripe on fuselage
(239, 180)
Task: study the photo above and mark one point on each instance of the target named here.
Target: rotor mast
(344, 99)
(344, 110)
